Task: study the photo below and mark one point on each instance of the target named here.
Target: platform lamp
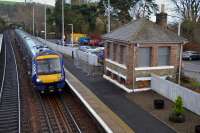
(72, 37)
(63, 25)
(33, 17)
(45, 23)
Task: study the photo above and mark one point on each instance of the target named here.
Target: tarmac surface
(192, 69)
(115, 98)
(192, 65)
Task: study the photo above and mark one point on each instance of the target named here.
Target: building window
(108, 50)
(111, 51)
(123, 54)
(114, 52)
(163, 56)
(144, 57)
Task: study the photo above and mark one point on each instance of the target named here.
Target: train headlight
(62, 77)
(38, 80)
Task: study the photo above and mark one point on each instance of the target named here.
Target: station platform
(107, 119)
(111, 104)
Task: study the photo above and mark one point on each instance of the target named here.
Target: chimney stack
(162, 8)
(161, 18)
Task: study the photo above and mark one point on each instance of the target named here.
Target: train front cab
(48, 73)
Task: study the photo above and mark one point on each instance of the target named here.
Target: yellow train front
(48, 72)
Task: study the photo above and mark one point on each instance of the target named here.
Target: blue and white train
(46, 66)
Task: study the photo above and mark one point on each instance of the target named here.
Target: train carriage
(46, 66)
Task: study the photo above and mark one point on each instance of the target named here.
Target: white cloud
(51, 2)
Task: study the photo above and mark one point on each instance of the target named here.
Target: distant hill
(20, 13)
(9, 2)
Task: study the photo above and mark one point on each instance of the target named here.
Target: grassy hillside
(20, 13)
(9, 2)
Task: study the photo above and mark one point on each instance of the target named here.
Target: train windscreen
(48, 66)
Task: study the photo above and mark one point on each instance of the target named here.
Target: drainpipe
(181, 53)
(180, 64)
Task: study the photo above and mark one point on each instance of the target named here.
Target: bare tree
(188, 9)
(143, 8)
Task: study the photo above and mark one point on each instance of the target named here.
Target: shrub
(177, 113)
(195, 84)
(178, 108)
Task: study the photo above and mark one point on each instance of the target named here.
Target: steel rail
(71, 116)
(18, 89)
(54, 114)
(60, 115)
(45, 113)
(63, 115)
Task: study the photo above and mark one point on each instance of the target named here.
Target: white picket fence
(171, 91)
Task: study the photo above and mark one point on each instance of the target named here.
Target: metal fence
(88, 63)
(171, 91)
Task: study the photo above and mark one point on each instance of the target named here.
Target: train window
(49, 66)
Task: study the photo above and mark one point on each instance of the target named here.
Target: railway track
(52, 112)
(57, 115)
(9, 93)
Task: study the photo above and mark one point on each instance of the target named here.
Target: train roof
(47, 52)
(35, 47)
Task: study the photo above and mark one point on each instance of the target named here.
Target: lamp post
(108, 16)
(45, 23)
(72, 37)
(33, 15)
(181, 49)
(63, 25)
(107, 11)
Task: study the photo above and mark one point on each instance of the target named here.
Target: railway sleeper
(9, 130)
(8, 107)
(7, 115)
